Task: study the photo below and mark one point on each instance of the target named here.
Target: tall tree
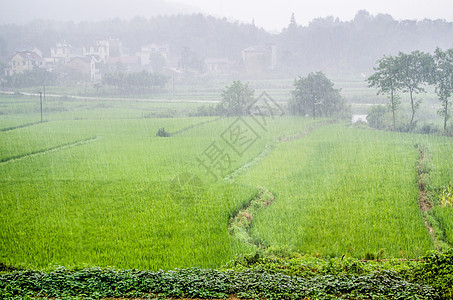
(236, 98)
(157, 61)
(443, 80)
(33, 78)
(190, 61)
(315, 95)
(413, 73)
(384, 79)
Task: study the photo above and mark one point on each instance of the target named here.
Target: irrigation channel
(51, 149)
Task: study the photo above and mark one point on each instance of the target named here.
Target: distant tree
(413, 73)
(157, 61)
(236, 98)
(190, 61)
(3, 47)
(376, 117)
(136, 82)
(384, 79)
(35, 77)
(206, 110)
(442, 78)
(3, 66)
(314, 95)
(352, 45)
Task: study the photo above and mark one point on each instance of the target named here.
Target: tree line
(136, 81)
(313, 96)
(412, 73)
(328, 44)
(35, 77)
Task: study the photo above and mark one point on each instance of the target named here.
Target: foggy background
(237, 38)
(272, 16)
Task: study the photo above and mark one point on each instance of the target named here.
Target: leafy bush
(377, 117)
(282, 260)
(35, 77)
(136, 82)
(446, 196)
(437, 271)
(273, 273)
(162, 132)
(207, 111)
(405, 126)
(429, 129)
(197, 283)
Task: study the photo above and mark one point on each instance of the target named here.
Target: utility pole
(40, 101)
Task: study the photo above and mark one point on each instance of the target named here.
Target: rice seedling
(342, 191)
(130, 199)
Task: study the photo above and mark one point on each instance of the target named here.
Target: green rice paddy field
(95, 186)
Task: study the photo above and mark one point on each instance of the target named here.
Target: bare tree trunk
(393, 110)
(314, 109)
(413, 108)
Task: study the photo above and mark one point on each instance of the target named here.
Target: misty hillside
(328, 44)
(338, 46)
(83, 10)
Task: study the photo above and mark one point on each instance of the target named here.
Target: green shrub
(446, 196)
(428, 129)
(199, 283)
(437, 271)
(162, 132)
(377, 117)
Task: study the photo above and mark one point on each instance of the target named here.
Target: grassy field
(343, 191)
(110, 200)
(440, 168)
(95, 186)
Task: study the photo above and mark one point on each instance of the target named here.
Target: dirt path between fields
(423, 201)
(101, 98)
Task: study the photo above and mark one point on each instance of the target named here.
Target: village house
(116, 48)
(109, 55)
(124, 64)
(101, 51)
(147, 50)
(24, 61)
(64, 52)
(218, 65)
(258, 59)
(82, 68)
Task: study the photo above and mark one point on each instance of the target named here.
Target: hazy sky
(276, 14)
(271, 15)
